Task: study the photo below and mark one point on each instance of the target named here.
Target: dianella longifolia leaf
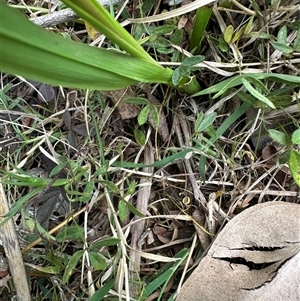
(34, 53)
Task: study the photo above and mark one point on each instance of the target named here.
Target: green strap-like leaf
(34, 53)
(93, 12)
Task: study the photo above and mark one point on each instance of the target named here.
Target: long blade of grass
(36, 54)
(166, 275)
(17, 206)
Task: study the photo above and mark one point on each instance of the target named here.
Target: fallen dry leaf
(126, 110)
(255, 257)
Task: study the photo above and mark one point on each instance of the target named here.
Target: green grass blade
(166, 275)
(16, 207)
(103, 290)
(46, 57)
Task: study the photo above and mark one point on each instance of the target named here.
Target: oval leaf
(257, 94)
(296, 137)
(206, 122)
(73, 261)
(139, 136)
(282, 47)
(98, 261)
(294, 165)
(279, 137)
(143, 115)
(228, 33)
(282, 35)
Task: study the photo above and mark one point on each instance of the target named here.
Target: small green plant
(281, 42)
(292, 143)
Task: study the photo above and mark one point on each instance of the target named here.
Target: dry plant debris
(108, 196)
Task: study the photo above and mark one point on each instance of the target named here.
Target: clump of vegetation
(125, 150)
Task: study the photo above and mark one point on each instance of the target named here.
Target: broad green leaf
(189, 62)
(176, 39)
(164, 29)
(282, 47)
(246, 97)
(282, 35)
(112, 241)
(238, 34)
(295, 25)
(139, 136)
(264, 35)
(258, 84)
(73, 261)
(111, 186)
(257, 94)
(123, 212)
(296, 43)
(296, 137)
(48, 270)
(279, 137)
(294, 164)
(44, 233)
(26, 179)
(222, 44)
(181, 78)
(206, 122)
(228, 85)
(228, 33)
(137, 100)
(176, 77)
(56, 260)
(143, 115)
(58, 168)
(73, 233)
(281, 101)
(154, 114)
(50, 58)
(98, 261)
(131, 188)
